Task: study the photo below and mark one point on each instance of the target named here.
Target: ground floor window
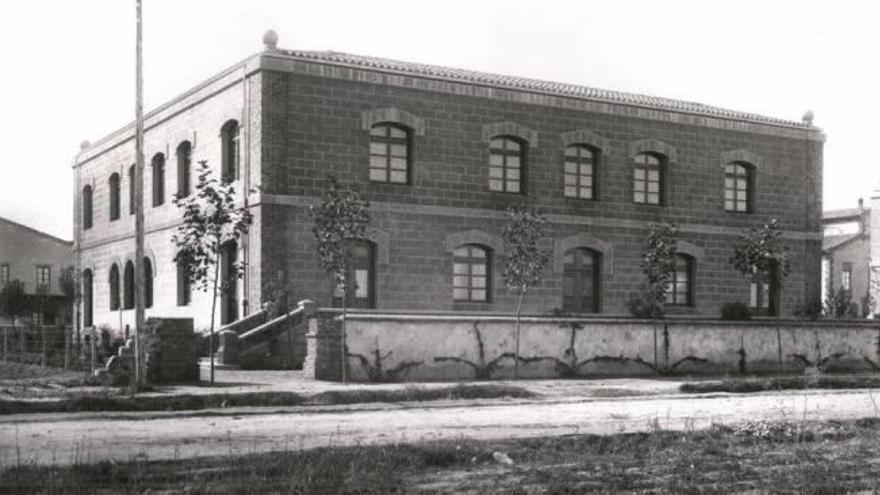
(470, 274)
(580, 281)
(362, 276)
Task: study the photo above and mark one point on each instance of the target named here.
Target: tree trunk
(516, 353)
(214, 309)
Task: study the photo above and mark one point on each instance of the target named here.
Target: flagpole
(139, 200)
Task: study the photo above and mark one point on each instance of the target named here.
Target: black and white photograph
(278, 246)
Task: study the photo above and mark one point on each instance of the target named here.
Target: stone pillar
(228, 350)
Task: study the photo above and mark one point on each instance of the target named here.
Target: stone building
(37, 259)
(441, 153)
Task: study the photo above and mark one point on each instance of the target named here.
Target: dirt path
(78, 438)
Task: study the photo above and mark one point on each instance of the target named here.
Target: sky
(69, 68)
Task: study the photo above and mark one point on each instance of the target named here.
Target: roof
(524, 83)
(831, 242)
(35, 231)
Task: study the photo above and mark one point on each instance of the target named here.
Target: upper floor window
(114, 196)
(87, 207)
(680, 290)
(389, 154)
(158, 179)
(471, 275)
(230, 150)
(738, 185)
(580, 172)
(506, 164)
(131, 190)
(184, 164)
(4, 274)
(114, 287)
(44, 278)
(648, 179)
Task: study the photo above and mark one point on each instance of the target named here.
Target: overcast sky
(69, 65)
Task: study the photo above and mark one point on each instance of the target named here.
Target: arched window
(158, 179)
(114, 196)
(648, 178)
(680, 289)
(87, 293)
(580, 172)
(738, 187)
(184, 163)
(230, 150)
(148, 283)
(390, 147)
(184, 285)
(580, 281)
(114, 287)
(87, 207)
(229, 298)
(506, 164)
(471, 274)
(128, 286)
(131, 190)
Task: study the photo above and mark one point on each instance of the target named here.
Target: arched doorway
(580, 281)
(362, 273)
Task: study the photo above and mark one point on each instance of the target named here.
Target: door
(580, 281)
(362, 274)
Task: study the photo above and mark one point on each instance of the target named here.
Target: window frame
(672, 290)
(184, 169)
(470, 261)
(641, 164)
(748, 179)
(505, 153)
(44, 273)
(113, 280)
(387, 140)
(158, 167)
(230, 145)
(579, 161)
(87, 210)
(114, 183)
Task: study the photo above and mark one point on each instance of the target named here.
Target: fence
(55, 346)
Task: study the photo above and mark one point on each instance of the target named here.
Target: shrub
(810, 310)
(735, 311)
(642, 305)
(840, 304)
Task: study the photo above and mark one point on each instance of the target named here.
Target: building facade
(36, 259)
(440, 154)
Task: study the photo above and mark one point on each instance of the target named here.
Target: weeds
(750, 385)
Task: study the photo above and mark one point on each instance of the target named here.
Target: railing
(235, 347)
(247, 323)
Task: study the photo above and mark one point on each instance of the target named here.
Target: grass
(29, 375)
(190, 402)
(785, 457)
(750, 385)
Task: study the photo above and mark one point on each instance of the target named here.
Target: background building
(441, 153)
(36, 259)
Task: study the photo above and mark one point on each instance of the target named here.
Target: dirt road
(91, 437)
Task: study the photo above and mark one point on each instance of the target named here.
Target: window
(44, 278)
(114, 197)
(114, 287)
(148, 283)
(680, 289)
(229, 298)
(506, 165)
(184, 285)
(230, 149)
(131, 190)
(389, 154)
(471, 274)
(762, 294)
(128, 286)
(4, 274)
(87, 207)
(362, 274)
(158, 179)
(580, 171)
(648, 179)
(184, 163)
(738, 187)
(87, 298)
(846, 277)
(580, 281)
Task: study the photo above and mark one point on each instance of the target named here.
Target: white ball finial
(270, 40)
(808, 117)
(84, 144)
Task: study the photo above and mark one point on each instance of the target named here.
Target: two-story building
(441, 153)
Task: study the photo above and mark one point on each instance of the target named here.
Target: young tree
(210, 220)
(341, 216)
(14, 302)
(761, 251)
(525, 261)
(658, 264)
